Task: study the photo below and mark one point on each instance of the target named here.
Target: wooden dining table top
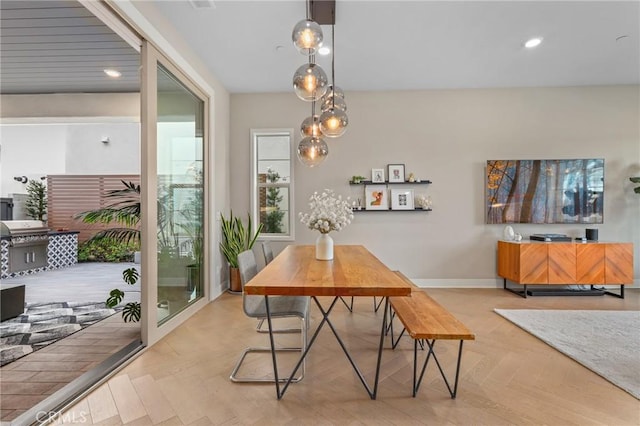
(354, 271)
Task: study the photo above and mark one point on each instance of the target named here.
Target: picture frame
(377, 175)
(376, 197)
(396, 173)
(402, 199)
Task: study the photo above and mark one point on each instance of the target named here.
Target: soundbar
(549, 237)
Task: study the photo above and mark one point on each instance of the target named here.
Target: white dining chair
(279, 307)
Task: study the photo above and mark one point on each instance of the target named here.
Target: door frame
(151, 331)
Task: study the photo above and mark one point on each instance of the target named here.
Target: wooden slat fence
(69, 195)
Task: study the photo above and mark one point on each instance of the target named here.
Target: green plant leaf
(115, 297)
(131, 312)
(237, 238)
(635, 179)
(130, 276)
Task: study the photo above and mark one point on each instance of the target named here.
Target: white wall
(86, 154)
(447, 136)
(35, 150)
(32, 151)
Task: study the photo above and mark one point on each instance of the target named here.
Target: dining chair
(268, 257)
(267, 252)
(279, 307)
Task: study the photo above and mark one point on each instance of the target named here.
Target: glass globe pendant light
(333, 102)
(334, 91)
(311, 126)
(312, 151)
(310, 81)
(333, 123)
(307, 36)
(334, 120)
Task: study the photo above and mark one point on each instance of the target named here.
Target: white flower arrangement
(328, 212)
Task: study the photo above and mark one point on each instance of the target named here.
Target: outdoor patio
(61, 301)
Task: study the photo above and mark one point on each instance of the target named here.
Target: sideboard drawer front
(533, 264)
(562, 263)
(618, 267)
(590, 263)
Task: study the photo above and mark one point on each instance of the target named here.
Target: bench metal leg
(416, 383)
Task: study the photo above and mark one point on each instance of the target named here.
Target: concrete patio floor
(82, 282)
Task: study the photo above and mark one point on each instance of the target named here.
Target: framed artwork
(395, 172)
(545, 191)
(402, 199)
(376, 198)
(377, 175)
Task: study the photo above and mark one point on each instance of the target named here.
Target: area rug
(606, 342)
(45, 323)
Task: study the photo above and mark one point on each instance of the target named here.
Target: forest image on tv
(545, 191)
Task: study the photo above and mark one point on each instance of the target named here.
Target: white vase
(324, 247)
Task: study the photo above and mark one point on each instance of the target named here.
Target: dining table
(353, 271)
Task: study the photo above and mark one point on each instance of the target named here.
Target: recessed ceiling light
(112, 73)
(324, 50)
(533, 42)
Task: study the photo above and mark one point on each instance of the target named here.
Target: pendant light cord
(333, 55)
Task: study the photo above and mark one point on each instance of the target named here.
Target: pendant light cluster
(311, 85)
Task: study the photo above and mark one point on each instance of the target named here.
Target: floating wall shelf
(368, 182)
(391, 210)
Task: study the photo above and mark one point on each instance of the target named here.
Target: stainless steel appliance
(28, 242)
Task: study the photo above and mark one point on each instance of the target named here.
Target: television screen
(545, 191)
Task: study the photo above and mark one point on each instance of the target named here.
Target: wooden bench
(427, 321)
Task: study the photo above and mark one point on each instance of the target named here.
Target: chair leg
(259, 328)
(234, 374)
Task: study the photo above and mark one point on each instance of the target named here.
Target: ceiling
(406, 45)
(58, 46)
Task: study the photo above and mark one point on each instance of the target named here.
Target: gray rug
(45, 323)
(606, 342)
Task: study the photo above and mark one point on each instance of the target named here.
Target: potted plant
(236, 239)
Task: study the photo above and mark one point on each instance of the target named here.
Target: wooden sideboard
(564, 263)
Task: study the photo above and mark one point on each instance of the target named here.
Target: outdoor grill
(28, 241)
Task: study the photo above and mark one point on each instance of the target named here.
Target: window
(272, 181)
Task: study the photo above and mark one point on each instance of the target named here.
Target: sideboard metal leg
(521, 293)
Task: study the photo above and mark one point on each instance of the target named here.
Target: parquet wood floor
(507, 376)
(34, 377)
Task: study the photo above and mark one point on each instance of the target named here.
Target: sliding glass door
(175, 171)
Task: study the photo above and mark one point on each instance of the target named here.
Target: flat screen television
(545, 191)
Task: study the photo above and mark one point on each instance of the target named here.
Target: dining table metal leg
(325, 319)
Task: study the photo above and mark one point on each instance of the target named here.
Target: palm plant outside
(36, 204)
(125, 210)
